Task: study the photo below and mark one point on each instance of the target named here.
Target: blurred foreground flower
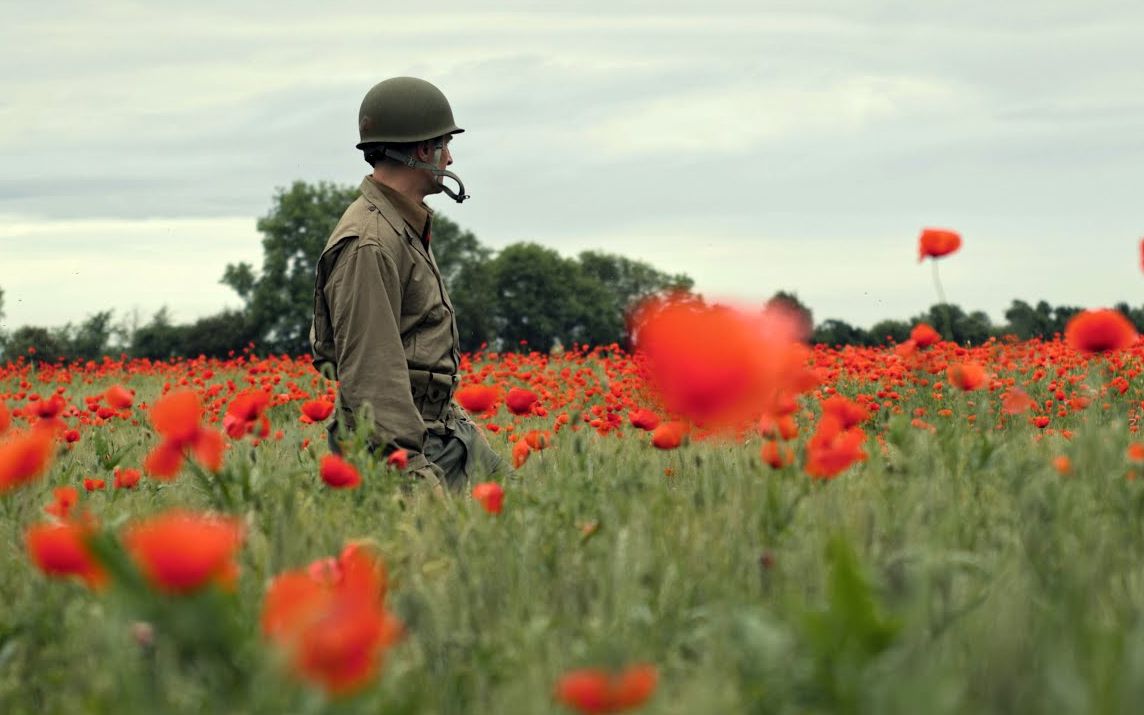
(1098, 331)
(596, 691)
(181, 552)
(490, 495)
(331, 621)
(24, 457)
(60, 550)
(719, 366)
(338, 473)
(177, 418)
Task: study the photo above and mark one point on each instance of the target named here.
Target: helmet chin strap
(459, 195)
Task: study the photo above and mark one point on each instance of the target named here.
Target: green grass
(954, 572)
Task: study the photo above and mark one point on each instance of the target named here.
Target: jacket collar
(403, 214)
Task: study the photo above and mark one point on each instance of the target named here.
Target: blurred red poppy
(591, 690)
(338, 473)
(831, 449)
(24, 457)
(181, 552)
(331, 620)
(61, 550)
(1098, 331)
(317, 410)
(937, 242)
(490, 495)
(520, 401)
(967, 376)
(119, 397)
(477, 398)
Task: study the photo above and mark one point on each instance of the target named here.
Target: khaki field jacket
(384, 326)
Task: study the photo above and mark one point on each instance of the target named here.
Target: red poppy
(1062, 464)
(1040, 422)
(668, 435)
(490, 495)
(831, 449)
(61, 550)
(398, 459)
(592, 690)
(966, 375)
(5, 417)
(643, 419)
(181, 552)
(719, 366)
(331, 621)
(92, 485)
(24, 457)
(937, 242)
(317, 410)
(245, 411)
(165, 460)
(119, 397)
(338, 473)
(63, 500)
(847, 412)
(126, 478)
(477, 398)
(176, 416)
(538, 439)
(520, 452)
(1098, 331)
(924, 336)
(520, 401)
(776, 455)
(1016, 401)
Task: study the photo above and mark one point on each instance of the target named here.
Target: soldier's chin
(435, 187)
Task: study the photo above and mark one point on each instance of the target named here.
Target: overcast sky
(756, 146)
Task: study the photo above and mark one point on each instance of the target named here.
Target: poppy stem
(937, 283)
(943, 302)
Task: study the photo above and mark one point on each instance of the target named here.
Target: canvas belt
(432, 393)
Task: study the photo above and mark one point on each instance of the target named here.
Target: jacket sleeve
(364, 295)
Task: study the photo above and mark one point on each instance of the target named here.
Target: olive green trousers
(462, 453)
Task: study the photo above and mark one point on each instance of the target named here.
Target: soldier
(383, 323)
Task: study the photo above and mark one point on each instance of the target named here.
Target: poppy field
(724, 520)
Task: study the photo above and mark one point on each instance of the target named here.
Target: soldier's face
(427, 150)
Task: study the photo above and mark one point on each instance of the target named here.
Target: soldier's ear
(424, 151)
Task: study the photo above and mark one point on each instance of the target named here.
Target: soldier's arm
(364, 294)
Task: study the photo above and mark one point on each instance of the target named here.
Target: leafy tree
(455, 250)
(629, 282)
(473, 295)
(280, 297)
(540, 296)
(1135, 315)
(216, 335)
(791, 302)
(1027, 322)
(3, 333)
(839, 332)
(45, 344)
(92, 338)
(158, 339)
(885, 331)
(955, 324)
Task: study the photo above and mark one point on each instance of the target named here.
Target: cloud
(796, 133)
(54, 272)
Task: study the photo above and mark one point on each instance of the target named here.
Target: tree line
(523, 295)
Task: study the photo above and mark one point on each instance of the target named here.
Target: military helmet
(403, 110)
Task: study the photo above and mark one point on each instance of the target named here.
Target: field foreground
(980, 548)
